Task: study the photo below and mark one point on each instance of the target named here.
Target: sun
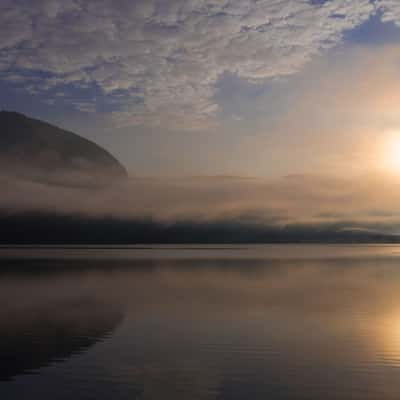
(392, 152)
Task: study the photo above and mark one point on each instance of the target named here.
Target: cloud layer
(157, 62)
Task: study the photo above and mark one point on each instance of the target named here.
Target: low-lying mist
(367, 204)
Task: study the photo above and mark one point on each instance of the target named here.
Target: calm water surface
(200, 322)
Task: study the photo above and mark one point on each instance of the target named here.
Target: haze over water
(200, 322)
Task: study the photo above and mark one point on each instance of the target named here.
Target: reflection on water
(251, 322)
(40, 334)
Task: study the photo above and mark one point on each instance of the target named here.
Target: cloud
(390, 10)
(164, 58)
(83, 106)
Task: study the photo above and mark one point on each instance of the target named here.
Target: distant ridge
(62, 229)
(41, 151)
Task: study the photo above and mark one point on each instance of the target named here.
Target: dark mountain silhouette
(37, 150)
(56, 229)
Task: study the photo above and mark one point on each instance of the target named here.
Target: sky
(289, 107)
(231, 87)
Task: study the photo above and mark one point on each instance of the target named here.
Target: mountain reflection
(35, 336)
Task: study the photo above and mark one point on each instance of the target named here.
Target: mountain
(39, 151)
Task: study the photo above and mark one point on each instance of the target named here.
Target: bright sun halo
(392, 152)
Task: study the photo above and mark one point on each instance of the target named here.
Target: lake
(200, 322)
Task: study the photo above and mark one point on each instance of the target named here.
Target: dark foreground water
(239, 322)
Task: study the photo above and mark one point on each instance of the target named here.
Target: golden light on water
(389, 350)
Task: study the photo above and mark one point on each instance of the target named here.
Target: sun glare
(392, 153)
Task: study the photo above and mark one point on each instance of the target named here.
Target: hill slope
(40, 151)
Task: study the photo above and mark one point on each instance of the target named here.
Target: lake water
(200, 322)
